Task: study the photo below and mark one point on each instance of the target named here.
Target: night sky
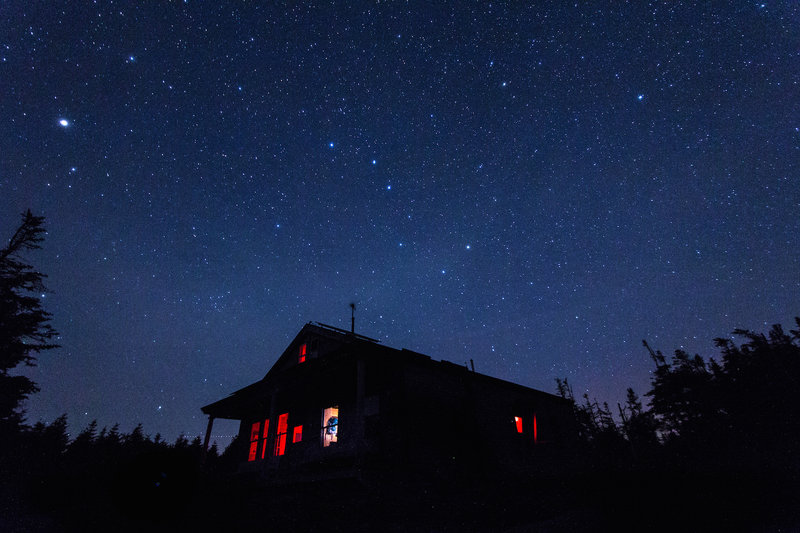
(536, 188)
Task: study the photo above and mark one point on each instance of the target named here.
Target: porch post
(208, 436)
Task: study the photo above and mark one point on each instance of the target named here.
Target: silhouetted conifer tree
(638, 425)
(110, 439)
(87, 435)
(24, 325)
(741, 411)
(230, 458)
(681, 397)
(81, 451)
(135, 440)
(595, 423)
(44, 449)
(213, 451)
(49, 440)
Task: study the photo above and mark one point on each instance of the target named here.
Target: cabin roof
(347, 344)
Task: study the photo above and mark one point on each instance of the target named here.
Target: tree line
(714, 439)
(44, 473)
(740, 407)
(715, 448)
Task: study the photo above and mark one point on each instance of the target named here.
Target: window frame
(328, 437)
(281, 429)
(255, 431)
(264, 439)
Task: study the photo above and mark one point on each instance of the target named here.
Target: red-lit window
(251, 456)
(280, 435)
(254, 431)
(535, 430)
(264, 435)
(297, 434)
(518, 422)
(301, 355)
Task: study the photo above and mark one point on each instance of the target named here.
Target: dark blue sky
(536, 188)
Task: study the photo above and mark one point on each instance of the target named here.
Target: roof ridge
(340, 330)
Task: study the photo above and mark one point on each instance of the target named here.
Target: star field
(536, 188)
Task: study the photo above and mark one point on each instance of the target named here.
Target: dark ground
(154, 494)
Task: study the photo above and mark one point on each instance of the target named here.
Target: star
(64, 123)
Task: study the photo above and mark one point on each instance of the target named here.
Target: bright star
(330, 144)
(374, 162)
(640, 97)
(64, 122)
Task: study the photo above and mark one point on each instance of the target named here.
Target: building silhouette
(337, 404)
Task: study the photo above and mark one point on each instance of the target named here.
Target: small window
(251, 456)
(280, 434)
(297, 434)
(301, 355)
(518, 423)
(330, 426)
(535, 430)
(264, 435)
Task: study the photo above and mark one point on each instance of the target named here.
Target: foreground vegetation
(716, 448)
